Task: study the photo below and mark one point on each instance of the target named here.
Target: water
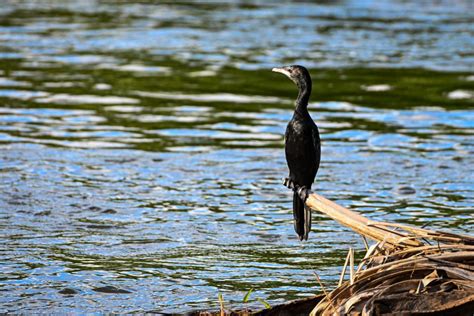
(142, 144)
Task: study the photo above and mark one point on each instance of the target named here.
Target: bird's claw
(303, 193)
(288, 183)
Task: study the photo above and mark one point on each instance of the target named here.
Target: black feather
(302, 147)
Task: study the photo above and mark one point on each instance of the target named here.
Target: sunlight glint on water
(141, 145)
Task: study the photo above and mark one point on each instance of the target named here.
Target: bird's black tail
(302, 217)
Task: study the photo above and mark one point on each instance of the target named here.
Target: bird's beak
(280, 70)
(284, 71)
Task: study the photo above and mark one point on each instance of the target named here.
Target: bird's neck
(303, 98)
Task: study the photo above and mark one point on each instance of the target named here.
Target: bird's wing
(317, 148)
(287, 131)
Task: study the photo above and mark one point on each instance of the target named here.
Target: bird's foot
(287, 182)
(303, 193)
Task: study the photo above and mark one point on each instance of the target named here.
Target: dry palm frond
(401, 273)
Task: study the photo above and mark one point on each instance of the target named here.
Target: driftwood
(403, 273)
(301, 307)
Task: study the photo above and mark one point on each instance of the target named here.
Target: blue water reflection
(141, 145)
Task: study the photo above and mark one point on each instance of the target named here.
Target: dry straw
(402, 273)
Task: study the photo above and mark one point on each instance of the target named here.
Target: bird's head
(298, 74)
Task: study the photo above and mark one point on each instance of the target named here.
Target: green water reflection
(141, 145)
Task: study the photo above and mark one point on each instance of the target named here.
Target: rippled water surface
(141, 145)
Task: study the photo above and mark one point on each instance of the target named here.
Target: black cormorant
(302, 148)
